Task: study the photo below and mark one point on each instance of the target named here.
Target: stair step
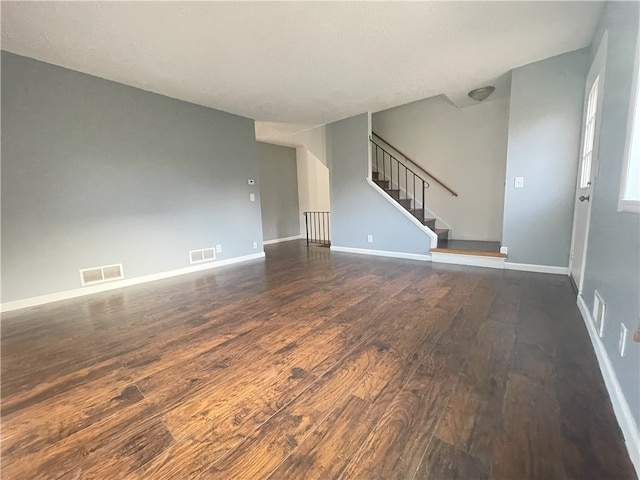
(374, 175)
(405, 202)
(443, 233)
(384, 184)
(394, 192)
(430, 222)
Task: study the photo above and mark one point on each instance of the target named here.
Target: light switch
(252, 197)
(518, 182)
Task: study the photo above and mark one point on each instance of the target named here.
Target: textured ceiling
(300, 62)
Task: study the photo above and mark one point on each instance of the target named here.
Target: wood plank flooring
(470, 245)
(311, 364)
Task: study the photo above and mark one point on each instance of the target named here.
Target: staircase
(400, 181)
(406, 201)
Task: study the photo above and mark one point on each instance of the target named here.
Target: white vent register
(204, 255)
(106, 273)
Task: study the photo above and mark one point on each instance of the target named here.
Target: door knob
(583, 198)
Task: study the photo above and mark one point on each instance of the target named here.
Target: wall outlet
(251, 181)
(252, 197)
(622, 341)
(518, 182)
(370, 238)
(255, 244)
(218, 248)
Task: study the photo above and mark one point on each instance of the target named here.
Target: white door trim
(596, 71)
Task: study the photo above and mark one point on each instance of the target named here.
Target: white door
(587, 164)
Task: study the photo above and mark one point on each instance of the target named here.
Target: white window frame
(632, 143)
(589, 135)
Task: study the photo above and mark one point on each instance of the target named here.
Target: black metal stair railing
(318, 230)
(398, 180)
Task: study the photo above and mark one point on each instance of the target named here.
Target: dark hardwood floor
(312, 365)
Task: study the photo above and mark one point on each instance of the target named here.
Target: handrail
(413, 195)
(403, 165)
(443, 185)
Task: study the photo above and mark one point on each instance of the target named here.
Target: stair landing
(466, 252)
(470, 247)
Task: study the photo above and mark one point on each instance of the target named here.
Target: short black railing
(399, 179)
(318, 230)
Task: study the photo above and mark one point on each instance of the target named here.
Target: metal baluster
(306, 226)
(386, 174)
(406, 181)
(377, 167)
(424, 198)
(398, 179)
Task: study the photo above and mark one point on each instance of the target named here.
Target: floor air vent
(204, 255)
(106, 273)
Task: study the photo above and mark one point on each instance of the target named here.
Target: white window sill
(632, 206)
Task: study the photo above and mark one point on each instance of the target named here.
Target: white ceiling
(300, 62)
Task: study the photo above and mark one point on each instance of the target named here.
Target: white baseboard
(528, 267)
(471, 260)
(459, 259)
(79, 292)
(620, 406)
(280, 240)
(382, 253)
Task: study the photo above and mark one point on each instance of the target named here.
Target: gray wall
(95, 173)
(357, 210)
(466, 148)
(613, 252)
(543, 143)
(278, 191)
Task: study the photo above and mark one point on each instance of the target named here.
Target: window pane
(630, 185)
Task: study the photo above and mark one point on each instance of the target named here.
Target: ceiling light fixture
(480, 94)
